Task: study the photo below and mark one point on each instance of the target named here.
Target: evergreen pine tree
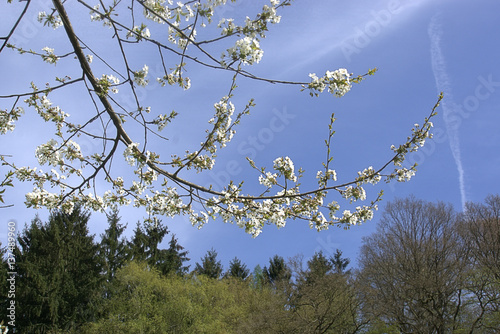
(175, 256)
(113, 249)
(137, 246)
(58, 273)
(209, 266)
(237, 269)
(145, 246)
(318, 266)
(154, 234)
(278, 271)
(339, 263)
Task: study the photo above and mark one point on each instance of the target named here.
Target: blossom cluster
(354, 193)
(368, 175)
(159, 12)
(337, 82)
(361, 214)
(268, 179)
(252, 28)
(44, 108)
(49, 153)
(7, 119)
(106, 83)
(162, 120)
(140, 76)
(166, 202)
(49, 55)
(324, 177)
(130, 153)
(175, 77)
(54, 155)
(199, 161)
(247, 50)
(413, 143)
(222, 121)
(139, 32)
(284, 166)
(96, 16)
(49, 20)
(39, 198)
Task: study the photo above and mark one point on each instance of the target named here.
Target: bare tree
(413, 269)
(324, 298)
(480, 228)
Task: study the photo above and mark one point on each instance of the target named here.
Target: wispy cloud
(349, 33)
(443, 84)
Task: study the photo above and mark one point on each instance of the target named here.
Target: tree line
(426, 269)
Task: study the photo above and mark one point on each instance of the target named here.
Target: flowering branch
(162, 186)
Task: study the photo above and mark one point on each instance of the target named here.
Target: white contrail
(443, 85)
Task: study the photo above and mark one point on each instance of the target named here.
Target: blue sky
(420, 48)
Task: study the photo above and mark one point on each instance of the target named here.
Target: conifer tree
(209, 265)
(155, 232)
(318, 266)
(137, 245)
(339, 263)
(58, 273)
(278, 271)
(145, 246)
(237, 269)
(113, 249)
(175, 256)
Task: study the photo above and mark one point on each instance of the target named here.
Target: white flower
(54, 21)
(140, 76)
(41, 16)
(7, 119)
(129, 154)
(146, 33)
(354, 194)
(331, 174)
(338, 82)
(405, 174)
(41, 198)
(247, 50)
(113, 79)
(323, 178)
(285, 167)
(49, 153)
(49, 55)
(268, 180)
(368, 176)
